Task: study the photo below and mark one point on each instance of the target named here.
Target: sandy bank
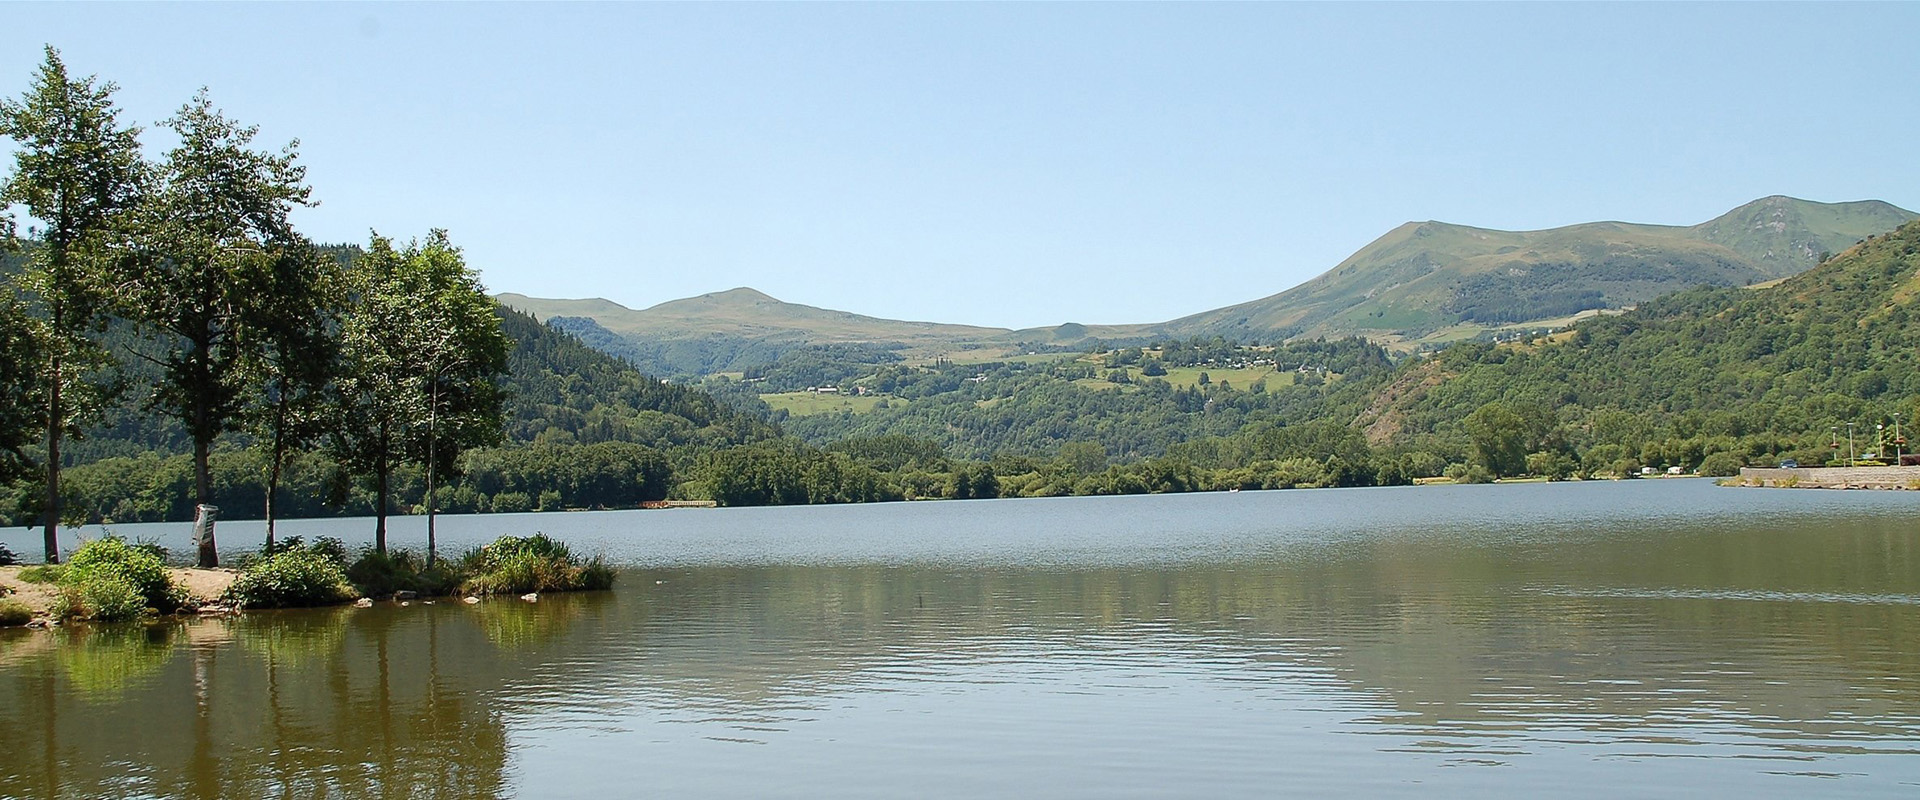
(202, 585)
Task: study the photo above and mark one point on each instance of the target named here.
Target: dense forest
(1755, 374)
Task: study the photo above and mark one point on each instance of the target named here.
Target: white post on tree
(203, 532)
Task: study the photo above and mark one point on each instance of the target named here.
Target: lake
(1658, 638)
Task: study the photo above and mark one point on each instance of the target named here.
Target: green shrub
(539, 546)
(596, 575)
(103, 570)
(378, 574)
(537, 563)
(292, 578)
(104, 596)
(328, 547)
(512, 503)
(14, 613)
(1469, 473)
(1720, 465)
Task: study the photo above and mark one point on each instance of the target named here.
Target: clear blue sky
(1010, 164)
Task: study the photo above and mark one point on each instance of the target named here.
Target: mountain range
(1420, 283)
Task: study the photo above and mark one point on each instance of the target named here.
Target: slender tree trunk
(432, 409)
(380, 491)
(278, 456)
(273, 486)
(54, 430)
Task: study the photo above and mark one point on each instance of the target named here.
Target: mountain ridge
(1420, 283)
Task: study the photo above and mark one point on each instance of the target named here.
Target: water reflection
(294, 705)
(100, 664)
(1580, 661)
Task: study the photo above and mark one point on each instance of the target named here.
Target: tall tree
(76, 171)
(213, 246)
(294, 366)
(1500, 436)
(422, 354)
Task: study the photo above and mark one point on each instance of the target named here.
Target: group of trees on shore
(183, 281)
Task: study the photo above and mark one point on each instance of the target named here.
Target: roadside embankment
(1830, 478)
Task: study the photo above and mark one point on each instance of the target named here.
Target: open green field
(1190, 376)
(1005, 357)
(1238, 378)
(802, 404)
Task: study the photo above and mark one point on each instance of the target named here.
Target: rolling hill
(1424, 277)
(1767, 372)
(1422, 282)
(744, 312)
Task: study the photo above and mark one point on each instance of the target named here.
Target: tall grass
(537, 563)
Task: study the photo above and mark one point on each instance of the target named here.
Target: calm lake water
(1662, 638)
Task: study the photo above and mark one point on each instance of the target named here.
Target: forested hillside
(560, 390)
(1757, 374)
(1121, 401)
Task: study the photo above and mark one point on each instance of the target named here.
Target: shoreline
(204, 587)
(1883, 478)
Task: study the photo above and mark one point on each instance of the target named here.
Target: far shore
(1829, 478)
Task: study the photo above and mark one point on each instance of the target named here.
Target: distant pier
(1831, 478)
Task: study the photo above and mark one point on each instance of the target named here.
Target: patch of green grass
(1184, 377)
(378, 574)
(1007, 357)
(1238, 378)
(14, 613)
(802, 404)
(537, 563)
(45, 573)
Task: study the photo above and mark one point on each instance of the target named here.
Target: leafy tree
(213, 247)
(1084, 458)
(294, 366)
(1499, 438)
(422, 353)
(76, 171)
